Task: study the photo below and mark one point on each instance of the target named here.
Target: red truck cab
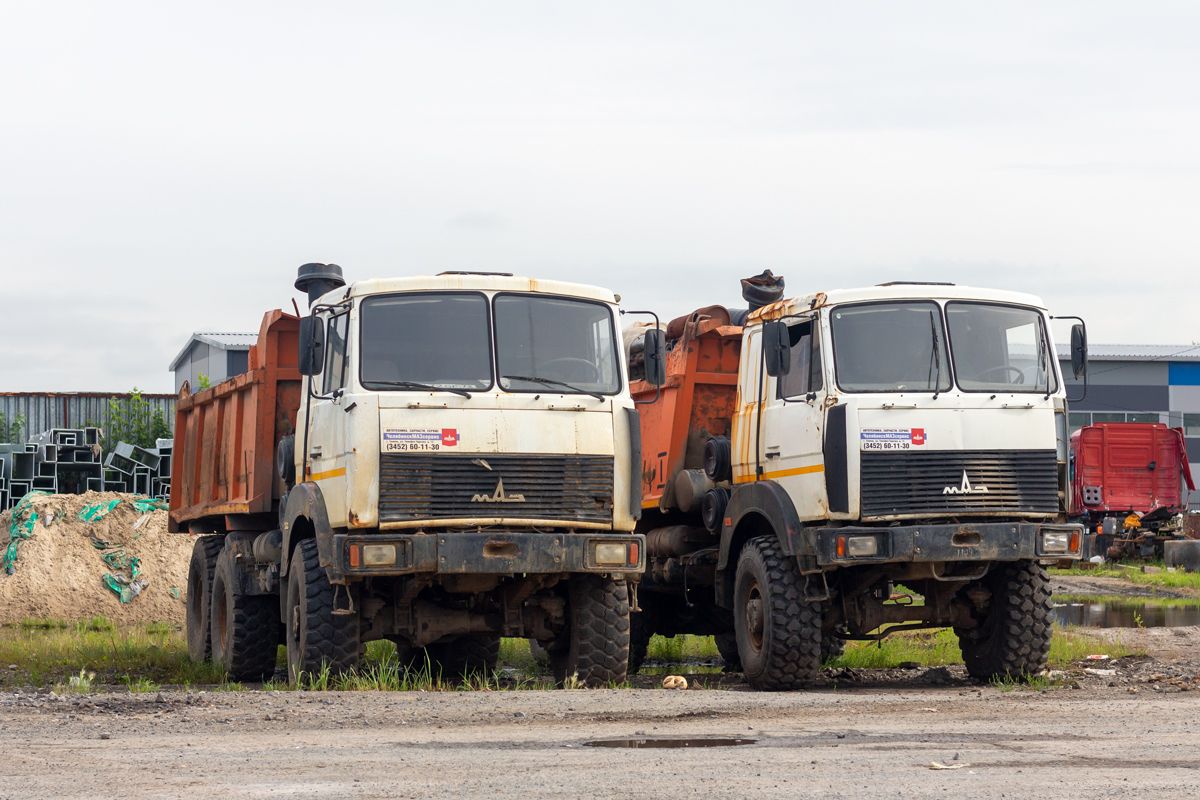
(1129, 468)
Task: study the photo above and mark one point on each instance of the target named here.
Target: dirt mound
(58, 571)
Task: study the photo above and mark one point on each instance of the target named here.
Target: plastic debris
(141, 520)
(174, 592)
(98, 511)
(936, 765)
(1098, 658)
(1103, 672)
(674, 682)
(124, 587)
(23, 520)
(144, 505)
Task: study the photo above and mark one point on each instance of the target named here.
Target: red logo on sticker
(449, 437)
(918, 436)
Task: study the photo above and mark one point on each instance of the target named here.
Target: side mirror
(312, 345)
(1079, 351)
(777, 348)
(655, 352)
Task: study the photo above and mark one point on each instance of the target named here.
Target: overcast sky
(165, 170)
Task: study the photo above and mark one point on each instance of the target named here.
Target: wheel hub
(755, 618)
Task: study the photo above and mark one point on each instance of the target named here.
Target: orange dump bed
(225, 437)
(698, 400)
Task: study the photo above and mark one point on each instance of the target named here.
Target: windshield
(555, 344)
(440, 340)
(890, 347)
(1000, 348)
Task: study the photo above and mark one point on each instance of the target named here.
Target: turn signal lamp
(1074, 541)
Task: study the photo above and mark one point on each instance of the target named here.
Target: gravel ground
(860, 740)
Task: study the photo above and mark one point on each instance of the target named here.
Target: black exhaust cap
(762, 290)
(317, 279)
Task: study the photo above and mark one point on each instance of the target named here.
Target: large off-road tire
(469, 655)
(1013, 637)
(244, 628)
(199, 595)
(316, 637)
(727, 646)
(778, 631)
(641, 630)
(595, 649)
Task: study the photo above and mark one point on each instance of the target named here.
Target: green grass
(678, 649)
(1164, 579)
(938, 648)
(51, 652)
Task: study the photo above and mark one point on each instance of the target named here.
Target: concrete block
(1184, 554)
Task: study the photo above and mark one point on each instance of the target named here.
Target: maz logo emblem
(965, 487)
(500, 497)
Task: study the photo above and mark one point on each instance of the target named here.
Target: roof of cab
(468, 282)
(896, 291)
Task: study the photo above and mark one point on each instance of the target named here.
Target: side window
(805, 374)
(335, 353)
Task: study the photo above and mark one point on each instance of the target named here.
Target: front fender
(305, 501)
(768, 500)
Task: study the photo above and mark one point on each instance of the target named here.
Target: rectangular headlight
(378, 555)
(862, 545)
(1055, 542)
(611, 554)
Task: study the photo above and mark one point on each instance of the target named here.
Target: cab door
(327, 455)
(792, 421)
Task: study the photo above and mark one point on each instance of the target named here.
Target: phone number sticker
(891, 438)
(407, 440)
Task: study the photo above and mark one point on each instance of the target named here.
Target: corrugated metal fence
(46, 410)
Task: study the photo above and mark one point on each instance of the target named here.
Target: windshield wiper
(415, 385)
(936, 358)
(549, 382)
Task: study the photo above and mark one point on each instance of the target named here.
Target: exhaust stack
(317, 279)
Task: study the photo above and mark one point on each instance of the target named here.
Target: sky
(166, 167)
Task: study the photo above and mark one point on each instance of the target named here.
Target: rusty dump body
(698, 400)
(225, 437)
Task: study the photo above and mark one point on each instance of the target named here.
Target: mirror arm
(658, 388)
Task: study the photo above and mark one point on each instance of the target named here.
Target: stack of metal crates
(140, 470)
(60, 460)
(68, 461)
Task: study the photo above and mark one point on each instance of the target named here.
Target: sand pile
(59, 572)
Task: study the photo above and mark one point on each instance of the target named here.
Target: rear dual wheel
(244, 629)
(199, 595)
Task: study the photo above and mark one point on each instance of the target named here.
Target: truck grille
(908, 483)
(550, 487)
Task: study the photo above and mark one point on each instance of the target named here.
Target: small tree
(10, 432)
(133, 422)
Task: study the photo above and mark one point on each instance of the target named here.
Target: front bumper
(489, 553)
(990, 541)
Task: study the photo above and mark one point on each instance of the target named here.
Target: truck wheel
(472, 654)
(727, 646)
(1013, 639)
(595, 650)
(199, 594)
(244, 629)
(641, 630)
(832, 646)
(778, 632)
(316, 637)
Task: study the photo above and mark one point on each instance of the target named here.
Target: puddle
(642, 741)
(1126, 613)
